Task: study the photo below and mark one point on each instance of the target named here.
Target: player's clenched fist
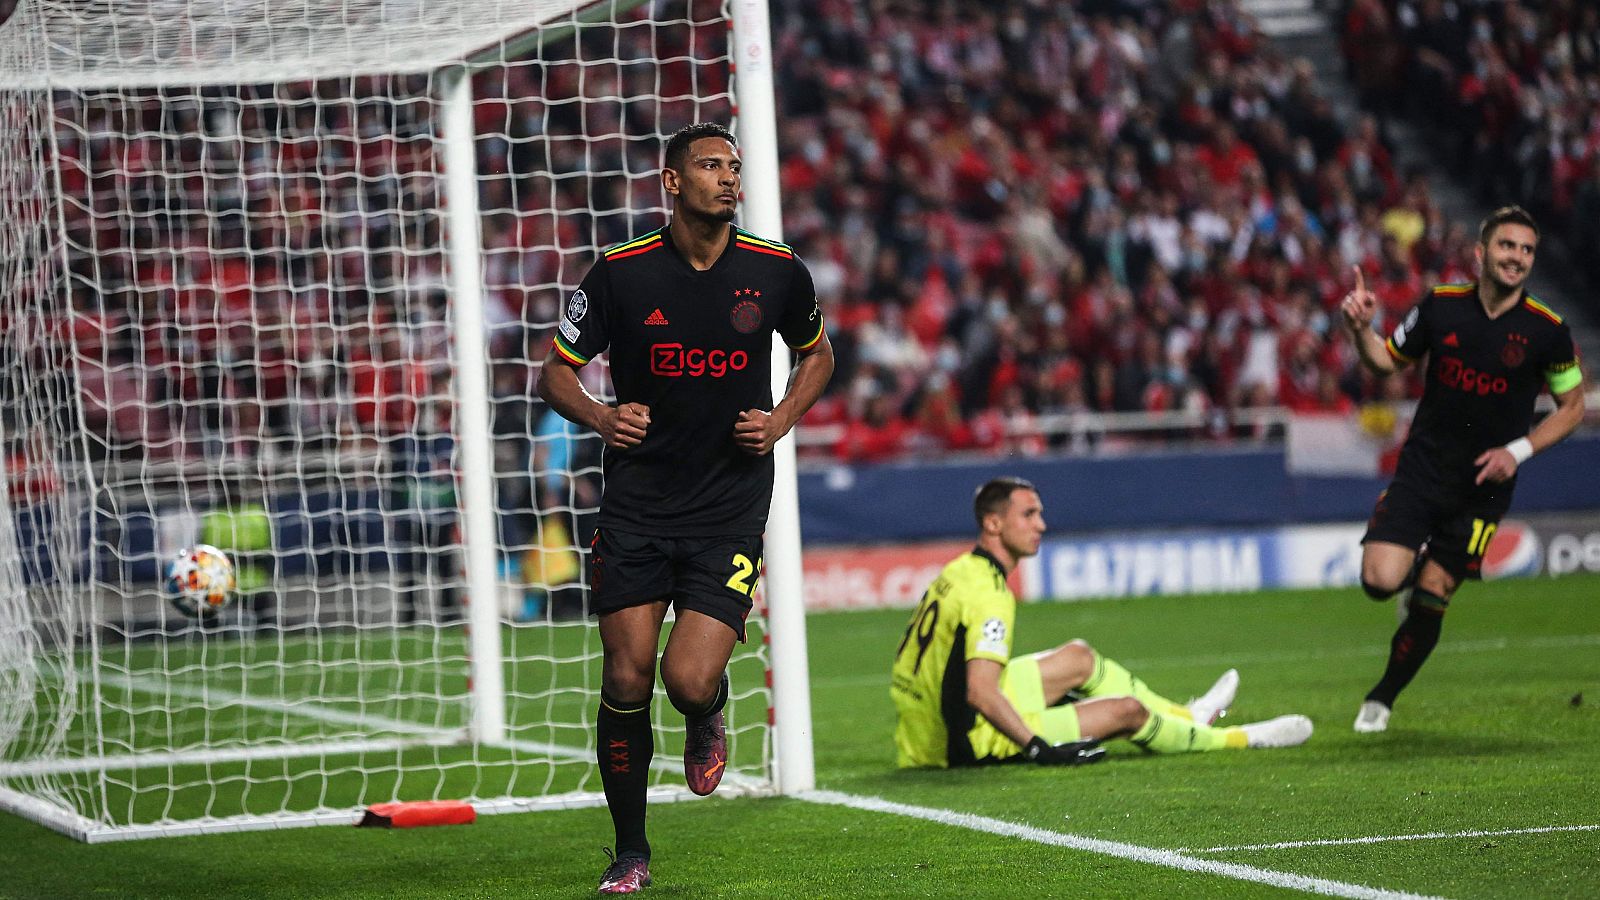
(1360, 305)
(624, 426)
(756, 431)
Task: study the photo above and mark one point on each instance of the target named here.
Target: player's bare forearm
(622, 427)
(1500, 463)
(985, 696)
(756, 431)
(1374, 351)
(559, 386)
(1568, 415)
(806, 383)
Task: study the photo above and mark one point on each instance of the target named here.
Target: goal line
(1172, 859)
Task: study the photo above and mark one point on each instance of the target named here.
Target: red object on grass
(417, 813)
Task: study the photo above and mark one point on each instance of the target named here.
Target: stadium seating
(1047, 208)
(1508, 92)
(1112, 208)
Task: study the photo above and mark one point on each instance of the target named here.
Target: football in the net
(199, 580)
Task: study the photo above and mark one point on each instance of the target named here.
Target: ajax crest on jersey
(199, 580)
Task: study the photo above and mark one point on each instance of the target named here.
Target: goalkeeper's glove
(1077, 753)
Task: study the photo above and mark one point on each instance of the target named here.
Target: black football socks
(1413, 641)
(624, 747)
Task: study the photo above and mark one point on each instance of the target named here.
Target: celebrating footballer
(687, 312)
(1491, 348)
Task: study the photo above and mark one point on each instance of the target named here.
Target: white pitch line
(69, 765)
(319, 712)
(307, 709)
(1151, 855)
(1385, 838)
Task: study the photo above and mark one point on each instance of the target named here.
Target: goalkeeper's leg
(1160, 732)
(1027, 686)
(1078, 669)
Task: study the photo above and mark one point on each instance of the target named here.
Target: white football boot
(1373, 718)
(1284, 731)
(1214, 703)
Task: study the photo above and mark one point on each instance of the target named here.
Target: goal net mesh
(226, 317)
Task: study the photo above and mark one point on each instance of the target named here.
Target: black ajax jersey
(696, 348)
(1482, 378)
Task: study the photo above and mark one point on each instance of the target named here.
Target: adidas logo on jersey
(656, 318)
(1450, 340)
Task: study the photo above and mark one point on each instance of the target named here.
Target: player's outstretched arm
(756, 431)
(1358, 308)
(1500, 463)
(620, 427)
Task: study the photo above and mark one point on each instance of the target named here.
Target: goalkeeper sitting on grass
(963, 700)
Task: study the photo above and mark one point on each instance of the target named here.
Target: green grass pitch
(1500, 733)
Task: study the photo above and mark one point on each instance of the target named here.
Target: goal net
(253, 295)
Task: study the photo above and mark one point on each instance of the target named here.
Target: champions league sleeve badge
(577, 306)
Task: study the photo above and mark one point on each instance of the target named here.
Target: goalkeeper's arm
(985, 696)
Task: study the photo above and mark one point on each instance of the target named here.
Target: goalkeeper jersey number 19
(967, 613)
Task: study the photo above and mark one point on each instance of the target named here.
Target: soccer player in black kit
(1491, 348)
(687, 312)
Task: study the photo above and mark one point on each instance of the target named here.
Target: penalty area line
(1386, 838)
(1134, 852)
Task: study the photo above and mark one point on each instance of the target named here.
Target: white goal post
(278, 276)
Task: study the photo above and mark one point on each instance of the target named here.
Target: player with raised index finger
(1491, 347)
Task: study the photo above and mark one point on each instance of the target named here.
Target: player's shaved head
(677, 155)
(995, 495)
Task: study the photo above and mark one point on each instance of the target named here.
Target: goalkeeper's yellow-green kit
(968, 613)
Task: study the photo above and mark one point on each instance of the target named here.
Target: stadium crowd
(1035, 208)
(1010, 210)
(1509, 92)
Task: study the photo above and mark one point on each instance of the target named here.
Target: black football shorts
(715, 576)
(1457, 527)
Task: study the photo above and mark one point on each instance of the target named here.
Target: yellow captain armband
(1563, 377)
